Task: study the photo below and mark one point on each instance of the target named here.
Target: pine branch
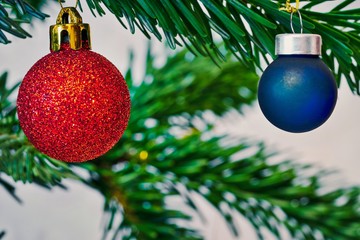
(272, 196)
(247, 28)
(198, 87)
(2, 234)
(12, 15)
(226, 172)
(194, 23)
(134, 188)
(138, 195)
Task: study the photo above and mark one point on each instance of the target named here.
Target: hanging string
(289, 8)
(301, 22)
(76, 4)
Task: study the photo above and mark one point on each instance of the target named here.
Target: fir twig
(247, 28)
(138, 195)
(176, 147)
(12, 15)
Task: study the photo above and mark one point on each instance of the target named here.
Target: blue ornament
(297, 92)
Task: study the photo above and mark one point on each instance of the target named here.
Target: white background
(76, 214)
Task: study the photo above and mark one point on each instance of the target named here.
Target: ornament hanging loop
(76, 4)
(301, 22)
(290, 9)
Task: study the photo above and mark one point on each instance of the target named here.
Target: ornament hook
(301, 22)
(76, 4)
(289, 8)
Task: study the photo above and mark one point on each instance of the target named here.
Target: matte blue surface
(297, 93)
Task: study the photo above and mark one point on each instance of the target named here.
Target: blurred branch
(10, 189)
(2, 234)
(138, 195)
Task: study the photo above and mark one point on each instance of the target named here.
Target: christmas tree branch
(197, 79)
(247, 28)
(134, 186)
(138, 195)
(12, 15)
(270, 196)
(190, 158)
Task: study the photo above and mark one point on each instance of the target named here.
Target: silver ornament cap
(294, 43)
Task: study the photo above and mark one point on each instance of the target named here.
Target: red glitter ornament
(73, 105)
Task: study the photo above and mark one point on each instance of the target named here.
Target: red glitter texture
(73, 105)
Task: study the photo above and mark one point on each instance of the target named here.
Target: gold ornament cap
(69, 28)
